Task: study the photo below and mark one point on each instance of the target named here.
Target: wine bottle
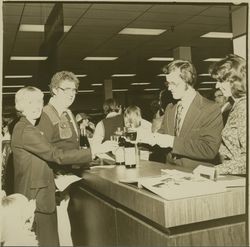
(119, 153)
(130, 148)
(84, 142)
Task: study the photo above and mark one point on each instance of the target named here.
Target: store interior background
(93, 29)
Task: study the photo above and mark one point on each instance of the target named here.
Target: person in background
(230, 74)
(165, 98)
(17, 215)
(191, 128)
(85, 124)
(131, 118)
(224, 102)
(33, 177)
(111, 108)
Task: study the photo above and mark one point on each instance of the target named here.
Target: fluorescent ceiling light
(142, 31)
(204, 89)
(27, 58)
(204, 74)
(13, 86)
(96, 84)
(219, 35)
(123, 75)
(120, 90)
(100, 58)
(17, 76)
(81, 76)
(162, 75)
(9, 93)
(208, 82)
(212, 59)
(46, 92)
(161, 59)
(37, 28)
(140, 83)
(86, 91)
(151, 89)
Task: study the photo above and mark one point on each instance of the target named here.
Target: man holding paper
(192, 127)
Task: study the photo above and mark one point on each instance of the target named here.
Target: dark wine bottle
(119, 153)
(84, 142)
(130, 148)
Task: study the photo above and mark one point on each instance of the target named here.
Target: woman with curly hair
(230, 74)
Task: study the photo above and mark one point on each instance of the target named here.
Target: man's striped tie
(177, 128)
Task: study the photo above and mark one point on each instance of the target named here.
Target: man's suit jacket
(200, 136)
(32, 175)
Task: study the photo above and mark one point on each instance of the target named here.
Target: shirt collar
(188, 97)
(57, 106)
(112, 114)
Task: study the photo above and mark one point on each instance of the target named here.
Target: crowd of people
(187, 128)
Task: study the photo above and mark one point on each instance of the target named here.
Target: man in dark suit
(191, 128)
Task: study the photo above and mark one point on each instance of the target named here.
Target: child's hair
(17, 219)
(132, 116)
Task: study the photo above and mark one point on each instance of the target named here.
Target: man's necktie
(177, 128)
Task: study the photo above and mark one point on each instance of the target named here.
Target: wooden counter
(107, 212)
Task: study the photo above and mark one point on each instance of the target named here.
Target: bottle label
(119, 155)
(130, 157)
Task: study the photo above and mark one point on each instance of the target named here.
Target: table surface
(166, 213)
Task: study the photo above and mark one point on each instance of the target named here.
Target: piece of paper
(104, 156)
(177, 185)
(63, 181)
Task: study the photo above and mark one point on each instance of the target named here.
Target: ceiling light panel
(81, 76)
(208, 82)
(140, 83)
(96, 84)
(17, 76)
(17, 58)
(218, 35)
(120, 90)
(37, 28)
(204, 74)
(151, 89)
(100, 58)
(205, 89)
(142, 31)
(161, 59)
(86, 91)
(123, 75)
(13, 86)
(212, 59)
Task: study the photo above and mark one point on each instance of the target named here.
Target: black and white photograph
(124, 123)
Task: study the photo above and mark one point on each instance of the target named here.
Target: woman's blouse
(233, 147)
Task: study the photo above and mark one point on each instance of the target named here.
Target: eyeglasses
(69, 90)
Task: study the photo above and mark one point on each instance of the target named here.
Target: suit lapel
(192, 115)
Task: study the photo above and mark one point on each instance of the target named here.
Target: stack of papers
(177, 185)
